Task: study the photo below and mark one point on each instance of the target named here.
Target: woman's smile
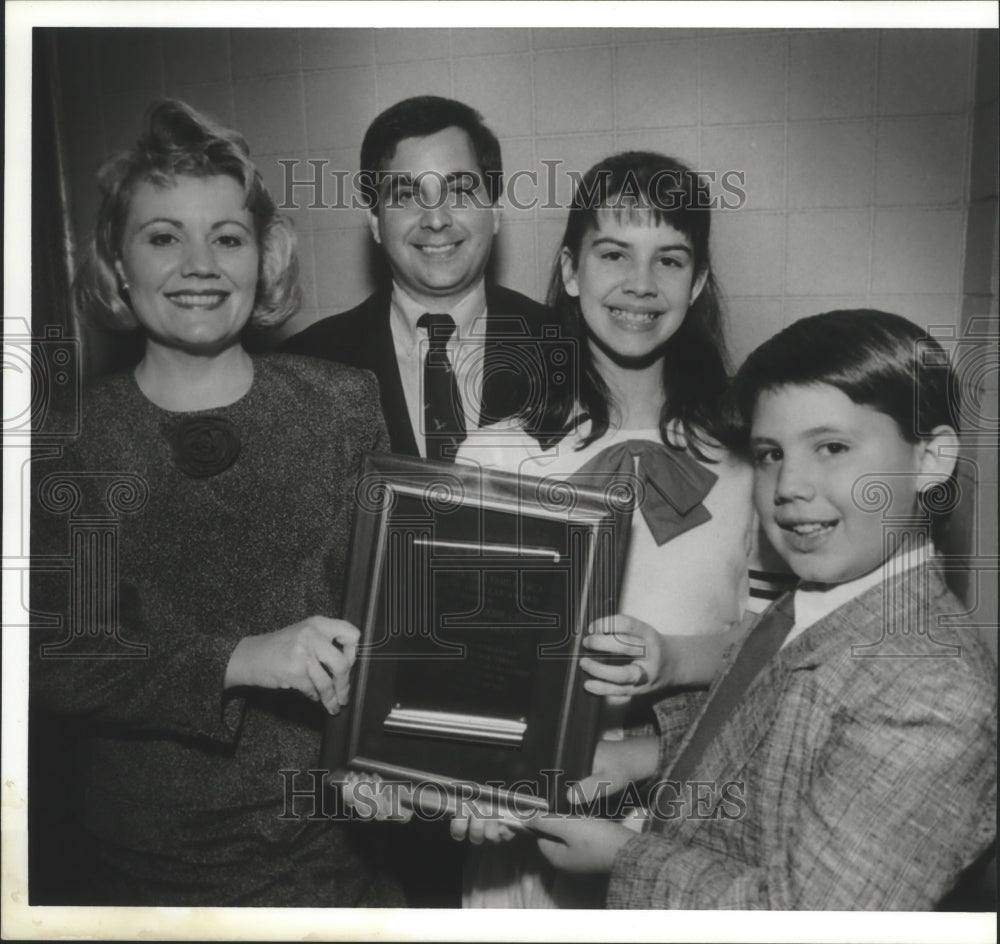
(198, 300)
(190, 250)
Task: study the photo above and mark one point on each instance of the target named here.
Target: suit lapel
(514, 357)
(492, 406)
(741, 736)
(854, 630)
(383, 363)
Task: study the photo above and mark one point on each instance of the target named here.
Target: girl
(633, 285)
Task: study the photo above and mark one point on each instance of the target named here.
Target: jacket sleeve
(107, 675)
(155, 673)
(901, 797)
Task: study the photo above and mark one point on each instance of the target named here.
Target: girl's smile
(635, 279)
(635, 318)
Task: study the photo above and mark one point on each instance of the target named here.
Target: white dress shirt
(811, 605)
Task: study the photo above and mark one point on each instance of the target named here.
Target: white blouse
(694, 583)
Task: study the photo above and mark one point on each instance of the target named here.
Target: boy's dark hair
(416, 118)
(656, 189)
(876, 358)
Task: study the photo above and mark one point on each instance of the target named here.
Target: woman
(230, 552)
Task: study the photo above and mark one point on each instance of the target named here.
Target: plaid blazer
(857, 772)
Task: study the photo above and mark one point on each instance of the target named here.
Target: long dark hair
(695, 376)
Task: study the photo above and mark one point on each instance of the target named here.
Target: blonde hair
(178, 141)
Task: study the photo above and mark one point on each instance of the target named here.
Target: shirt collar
(811, 605)
(404, 312)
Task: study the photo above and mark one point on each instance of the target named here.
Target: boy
(844, 757)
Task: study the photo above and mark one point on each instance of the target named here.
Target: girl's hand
(314, 657)
(579, 843)
(624, 636)
(656, 661)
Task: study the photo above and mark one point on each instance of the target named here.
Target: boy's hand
(625, 637)
(578, 843)
(616, 763)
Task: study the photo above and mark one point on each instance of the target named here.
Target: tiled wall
(979, 329)
(870, 156)
(855, 144)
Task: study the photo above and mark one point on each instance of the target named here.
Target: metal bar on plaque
(481, 549)
(462, 726)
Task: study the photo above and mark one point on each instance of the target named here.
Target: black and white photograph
(501, 471)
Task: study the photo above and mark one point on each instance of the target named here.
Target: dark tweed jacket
(362, 337)
(868, 775)
(177, 770)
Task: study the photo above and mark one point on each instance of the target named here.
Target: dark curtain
(51, 241)
(55, 870)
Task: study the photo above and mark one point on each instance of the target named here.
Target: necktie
(444, 417)
(673, 484)
(764, 641)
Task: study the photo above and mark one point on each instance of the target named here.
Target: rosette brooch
(204, 446)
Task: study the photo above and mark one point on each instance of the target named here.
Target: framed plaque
(473, 590)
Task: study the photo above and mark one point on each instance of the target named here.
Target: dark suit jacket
(362, 337)
(864, 763)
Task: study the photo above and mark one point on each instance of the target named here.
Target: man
(434, 178)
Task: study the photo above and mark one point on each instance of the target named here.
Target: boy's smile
(815, 450)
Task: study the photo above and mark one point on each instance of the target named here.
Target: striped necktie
(444, 416)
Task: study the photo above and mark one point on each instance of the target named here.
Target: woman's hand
(314, 657)
(372, 798)
(624, 636)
